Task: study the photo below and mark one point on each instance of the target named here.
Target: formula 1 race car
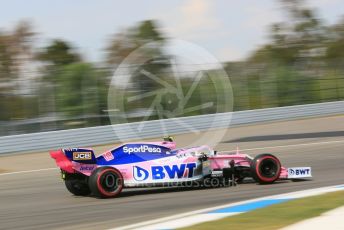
(150, 164)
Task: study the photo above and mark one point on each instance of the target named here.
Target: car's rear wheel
(77, 185)
(106, 182)
(265, 168)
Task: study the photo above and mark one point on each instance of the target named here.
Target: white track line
(252, 149)
(27, 171)
(288, 146)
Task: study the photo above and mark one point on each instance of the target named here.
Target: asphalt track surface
(39, 200)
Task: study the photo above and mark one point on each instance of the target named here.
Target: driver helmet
(168, 138)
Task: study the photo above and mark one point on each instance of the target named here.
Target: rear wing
(75, 160)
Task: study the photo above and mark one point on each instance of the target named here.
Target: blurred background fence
(253, 88)
(109, 134)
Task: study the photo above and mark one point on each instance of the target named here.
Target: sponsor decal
(140, 174)
(164, 172)
(108, 156)
(182, 155)
(77, 156)
(299, 172)
(141, 149)
(71, 149)
(87, 167)
(216, 173)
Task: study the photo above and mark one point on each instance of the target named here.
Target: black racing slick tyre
(265, 168)
(77, 186)
(106, 182)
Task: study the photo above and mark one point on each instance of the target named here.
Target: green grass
(278, 215)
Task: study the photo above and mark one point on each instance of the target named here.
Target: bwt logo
(82, 156)
(162, 172)
(141, 149)
(298, 172)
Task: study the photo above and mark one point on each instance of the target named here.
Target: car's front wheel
(265, 168)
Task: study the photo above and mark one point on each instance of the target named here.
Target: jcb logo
(82, 156)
